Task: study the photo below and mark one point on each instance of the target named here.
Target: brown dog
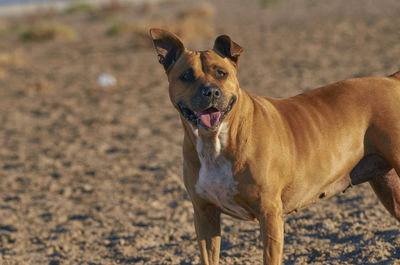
(257, 158)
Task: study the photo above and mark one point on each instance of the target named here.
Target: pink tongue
(210, 117)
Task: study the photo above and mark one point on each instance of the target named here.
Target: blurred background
(90, 146)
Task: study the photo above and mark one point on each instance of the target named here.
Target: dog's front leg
(271, 225)
(208, 228)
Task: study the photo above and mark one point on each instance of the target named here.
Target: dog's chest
(216, 183)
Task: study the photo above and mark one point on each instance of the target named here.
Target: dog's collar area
(193, 117)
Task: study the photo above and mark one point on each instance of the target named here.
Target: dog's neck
(210, 145)
(215, 141)
(232, 136)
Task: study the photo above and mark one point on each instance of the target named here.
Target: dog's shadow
(342, 232)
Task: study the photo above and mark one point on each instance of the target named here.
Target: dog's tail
(396, 75)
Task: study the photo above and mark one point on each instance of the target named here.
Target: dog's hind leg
(384, 135)
(387, 188)
(383, 179)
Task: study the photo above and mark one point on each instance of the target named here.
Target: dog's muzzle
(208, 118)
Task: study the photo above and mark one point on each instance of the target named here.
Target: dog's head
(202, 85)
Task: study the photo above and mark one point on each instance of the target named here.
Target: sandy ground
(92, 175)
(21, 8)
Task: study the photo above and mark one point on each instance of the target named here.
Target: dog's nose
(211, 92)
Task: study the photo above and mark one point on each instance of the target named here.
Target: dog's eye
(220, 74)
(187, 76)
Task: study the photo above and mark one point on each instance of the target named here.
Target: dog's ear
(168, 46)
(225, 47)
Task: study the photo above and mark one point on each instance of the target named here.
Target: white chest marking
(216, 183)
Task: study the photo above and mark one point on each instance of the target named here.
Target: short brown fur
(286, 153)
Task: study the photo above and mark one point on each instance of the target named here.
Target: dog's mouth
(209, 118)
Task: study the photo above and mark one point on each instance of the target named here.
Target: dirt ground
(92, 175)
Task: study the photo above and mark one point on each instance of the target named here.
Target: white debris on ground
(106, 80)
